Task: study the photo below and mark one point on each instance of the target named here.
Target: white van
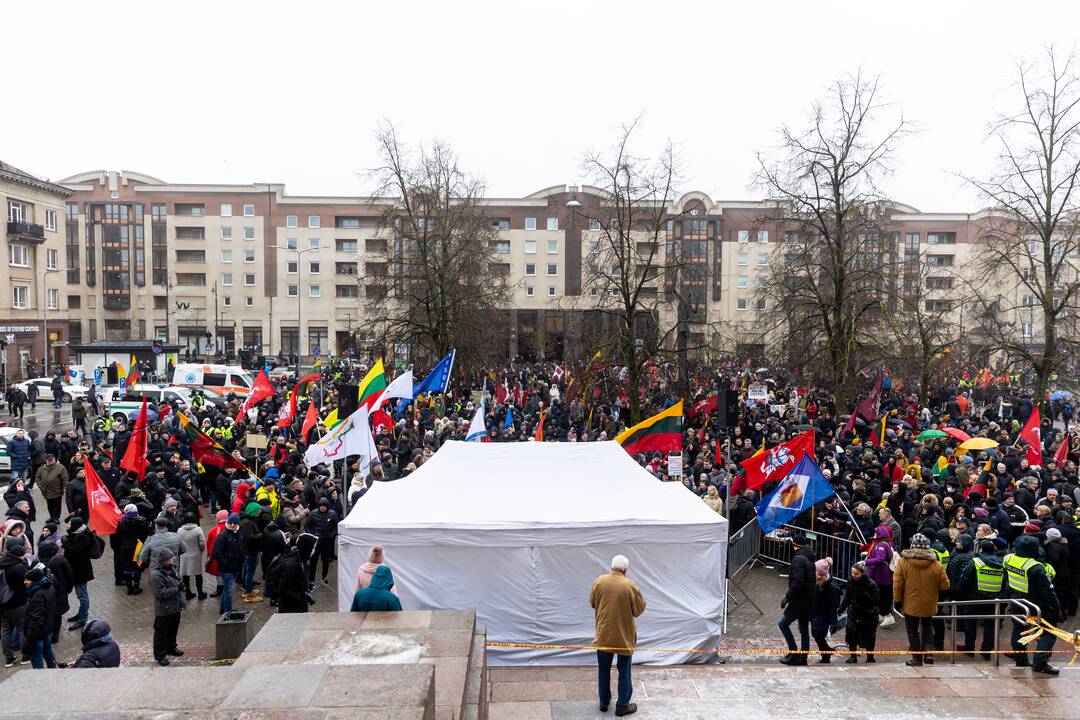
(223, 379)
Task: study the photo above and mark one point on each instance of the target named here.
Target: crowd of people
(266, 522)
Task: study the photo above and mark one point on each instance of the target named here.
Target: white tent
(519, 531)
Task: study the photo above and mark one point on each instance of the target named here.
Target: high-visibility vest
(1016, 570)
(988, 579)
(943, 556)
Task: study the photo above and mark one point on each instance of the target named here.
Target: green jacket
(377, 596)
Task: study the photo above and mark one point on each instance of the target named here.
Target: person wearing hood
(269, 490)
(918, 582)
(983, 579)
(131, 530)
(52, 555)
(191, 562)
(12, 613)
(879, 563)
(38, 624)
(17, 492)
(958, 562)
(294, 512)
(825, 602)
(377, 596)
(367, 570)
(228, 554)
(168, 604)
(99, 649)
(322, 524)
(1029, 579)
(79, 549)
(287, 579)
(241, 498)
(212, 564)
(861, 604)
(1059, 557)
(21, 512)
(251, 539)
(275, 543)
(713, 500)
(170, 512)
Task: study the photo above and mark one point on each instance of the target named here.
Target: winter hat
(823, 567)
(798, 539)
(375, 554)
(36, 573)
(14, 547)
(234, 518)
(136, 492)
(988, 546)
(76, 523)
(981, 513)
(170, 503)
(130, 508)
(920, 541)
(222, 515)
(48, 549)
(165, 554)
(1053, 535)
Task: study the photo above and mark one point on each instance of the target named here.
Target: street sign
(9, 338)
(316, 351)
(208, 349)
(97, 376)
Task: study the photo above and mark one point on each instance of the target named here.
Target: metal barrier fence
(743, 548)
(844, 552)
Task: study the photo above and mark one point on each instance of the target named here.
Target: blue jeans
(804, 631)
(225, 581)
(83, 594)
(247, 572)
(58, 400)
(19, 474)
(41, 654)
(626, 684)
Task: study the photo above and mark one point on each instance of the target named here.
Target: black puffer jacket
(802, 585)
(861, 601)
(99, 650)
(40, 610)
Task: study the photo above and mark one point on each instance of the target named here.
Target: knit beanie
(920, 541)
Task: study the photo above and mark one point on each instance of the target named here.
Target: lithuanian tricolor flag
(205, 449)
(940, 467)
(372, 384)
(661, 432)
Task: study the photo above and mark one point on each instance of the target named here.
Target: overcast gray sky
(292, 92)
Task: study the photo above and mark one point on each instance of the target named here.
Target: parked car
(221, 378)
(6, 433)
(121, 402)
(44, 386)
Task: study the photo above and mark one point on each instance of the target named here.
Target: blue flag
(435, 382)
(509, 424)
(803, 487)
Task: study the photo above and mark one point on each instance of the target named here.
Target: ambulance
(223, 379)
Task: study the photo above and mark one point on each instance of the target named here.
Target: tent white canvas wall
(519, 531)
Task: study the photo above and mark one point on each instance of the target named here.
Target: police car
(120, 403)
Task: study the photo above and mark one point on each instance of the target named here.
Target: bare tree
(632, 267)
(1030, 237)
(437, 284)
(837, 245)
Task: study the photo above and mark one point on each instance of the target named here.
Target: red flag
(104, 514)
(288, 411)
(850, 424)
(380, 418)
(501, 392)
(134, 459)
(871, 404)
(261, 390)
(773, 463)
(1031, 433)
(539, 434)
(310, 420)
(706, 404)
(1062, 455)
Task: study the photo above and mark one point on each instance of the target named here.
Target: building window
(190, 256)
(939, 283)
(226, 256)
(226, 233)
(594, 246)
(530, 247)
(938, 305)
(552, 269)
(345, 268)
(50, 220)
(501, 246)
(552, 247)
(52, 259)
(760, 282)
(53, 299)
(191, 279)
(761, 304)
(553, 223)
(744, 236)
(249, 301)
(741, 304)
(249, 233)
(375, 245)
(791, 238)
(313, 243)
(226, 210)
(1027, 329)
(500, 224)
(347, 246)
(763, 259)
(19, 255)
(157, 212)
(939, 260)
(249, 210)
(313, 268)
(314, 291)
(292, 267)
(226, 301)
(249, 279)
(292, 290)
(529, 291)
(75, 302)
(551, 291)
(530, 223)
(763, 236)
(743, 259)
(290, 243)
(347, 291)
(290, 221)
(742, 282)
(190, 209)
(530, 269)
(941, 238)
(1028, 301)
(249, 256)
(313, 221)
(190, 233)
(226, 279)
(16, 211)
(19, 295)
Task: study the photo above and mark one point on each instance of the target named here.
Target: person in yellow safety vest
(269, 490)
(982, 579)
(1028, 578)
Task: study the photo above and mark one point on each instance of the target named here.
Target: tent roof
(528, 485)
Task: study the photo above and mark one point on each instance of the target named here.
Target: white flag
(399, 387)
(340, 441)
(477, 428)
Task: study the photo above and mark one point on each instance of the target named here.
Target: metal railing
(844, 552)
(743, 548)
(1028, 608)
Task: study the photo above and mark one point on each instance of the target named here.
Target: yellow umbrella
(978, 443)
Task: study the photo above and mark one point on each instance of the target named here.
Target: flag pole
(854, 524)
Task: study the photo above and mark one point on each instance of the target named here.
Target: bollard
(232, 634)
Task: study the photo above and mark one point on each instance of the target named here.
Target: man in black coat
(38, 624)
(798, 602)
(78, 549)
(99, 650)
(229, 554)
(77, 502)
(12, 613)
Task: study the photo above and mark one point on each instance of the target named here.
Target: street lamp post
(168, 286)
(45, 317)
(298, 252)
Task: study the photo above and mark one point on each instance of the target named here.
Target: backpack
(98, 548)
(272, 589)
(6, 593)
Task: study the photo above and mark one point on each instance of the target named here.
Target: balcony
(26, 231)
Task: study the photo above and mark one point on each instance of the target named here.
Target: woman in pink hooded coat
(367, 570)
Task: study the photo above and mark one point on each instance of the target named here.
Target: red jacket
(211, 563)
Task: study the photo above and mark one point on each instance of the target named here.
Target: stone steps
(474, 704)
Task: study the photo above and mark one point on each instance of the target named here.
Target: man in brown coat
(617, 601)
(918, 580)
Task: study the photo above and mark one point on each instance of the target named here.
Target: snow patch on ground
(357, 648)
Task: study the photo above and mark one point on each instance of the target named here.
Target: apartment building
(229, 266)
(34, 320)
